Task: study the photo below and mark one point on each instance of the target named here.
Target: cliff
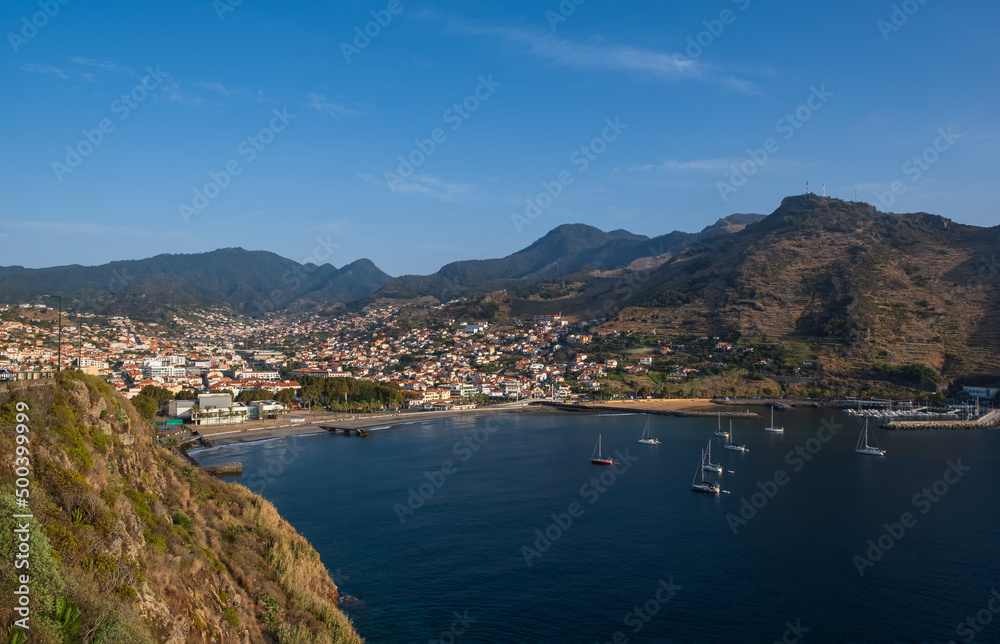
(129, 543)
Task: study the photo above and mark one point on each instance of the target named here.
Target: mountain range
(919, 287)
(257, 282)
(252, 282)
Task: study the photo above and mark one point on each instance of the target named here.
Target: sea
(499, 529)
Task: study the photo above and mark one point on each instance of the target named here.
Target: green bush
(46, 582)
(181, 519)
(230, 617)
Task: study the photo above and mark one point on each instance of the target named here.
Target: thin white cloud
(42, 68)
(106, 65)
(231, 92)
(697, 165)
(425, 185)
(176, 94)
(320, 103)
(598, 54)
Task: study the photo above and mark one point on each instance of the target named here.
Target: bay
(467, 563)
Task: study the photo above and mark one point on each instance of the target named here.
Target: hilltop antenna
(824, 190)
(855, 194)
(807, 186)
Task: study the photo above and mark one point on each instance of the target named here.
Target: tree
(159, 394)
(148, 402)
(145, 406)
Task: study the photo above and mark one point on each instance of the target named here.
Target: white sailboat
(707, 464)
(704, 485)
(772, 427)
(864, 448)
(646, 439)
(731, 441)
(719, 431)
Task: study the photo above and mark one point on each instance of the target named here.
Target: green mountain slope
(252, 282)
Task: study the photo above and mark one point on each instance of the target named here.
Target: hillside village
(439, 363)
(213, 352)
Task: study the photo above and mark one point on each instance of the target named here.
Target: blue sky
(843, 93)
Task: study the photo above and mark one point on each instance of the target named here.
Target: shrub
(271, 613)
(181, 519)
(230, 617)
(46, 582)
(110, 495)
(63, 540)
(67, 617)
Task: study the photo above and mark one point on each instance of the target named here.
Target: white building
(256, 375)
(160, 367)
(262, 409)
(987, 393)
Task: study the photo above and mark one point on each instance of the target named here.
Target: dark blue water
(454, 570)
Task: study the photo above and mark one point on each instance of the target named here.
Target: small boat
(873, 450)
(719, 431)
(772, 427)
(705, 485)
(646, 439)
(707, 464)
(731, 441)
(598, 458)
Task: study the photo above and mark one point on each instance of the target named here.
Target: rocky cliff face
(129, 543)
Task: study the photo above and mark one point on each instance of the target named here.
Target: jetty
(780, 405)
(987, 421)
(346, 431)
(228, 468)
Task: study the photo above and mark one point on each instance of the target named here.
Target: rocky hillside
(129, 543)
(860, 285)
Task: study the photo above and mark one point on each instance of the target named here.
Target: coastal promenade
(305, 423)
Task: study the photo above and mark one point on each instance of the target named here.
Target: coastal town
(438, 366)
(224, 368)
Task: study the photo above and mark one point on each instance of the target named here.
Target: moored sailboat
(719, 431)
(864, 448)
(731, 443)
(707, 463)
(646, 439)
(598, 458)
(772, 427)
(706, 486)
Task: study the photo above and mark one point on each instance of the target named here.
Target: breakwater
(988, 421)
(654, 412)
